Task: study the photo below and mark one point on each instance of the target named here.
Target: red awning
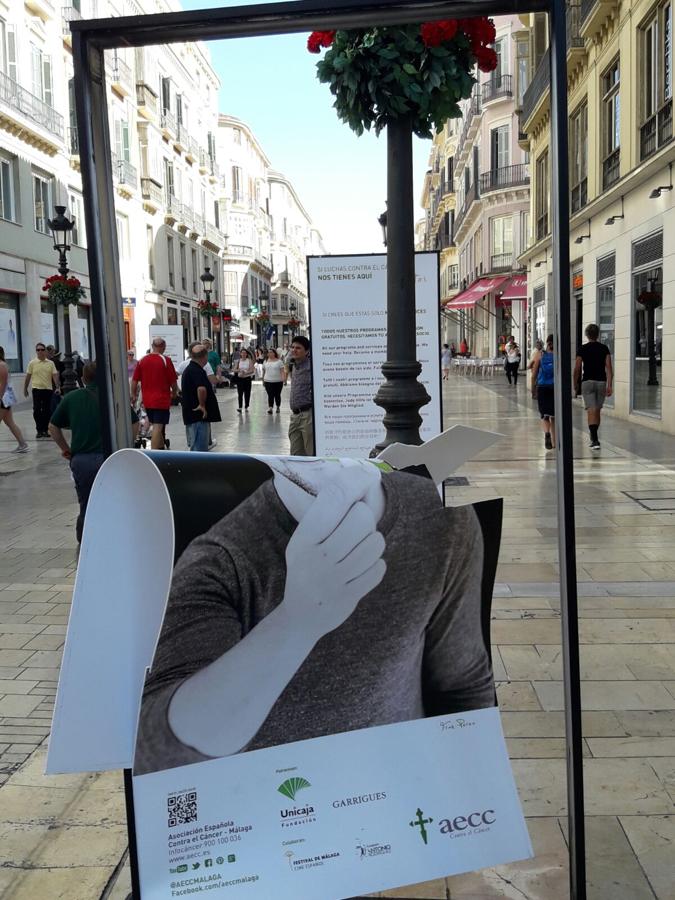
(516, 289)
(477, 291)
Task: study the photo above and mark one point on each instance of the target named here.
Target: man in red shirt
(157, 379)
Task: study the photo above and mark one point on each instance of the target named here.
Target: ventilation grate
(607, 267)
(539, 295)
(649, 250)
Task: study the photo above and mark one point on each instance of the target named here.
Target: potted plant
(64, 290)
(293, 322)
(208, 309)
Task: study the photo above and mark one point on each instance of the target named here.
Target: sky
(271, 83)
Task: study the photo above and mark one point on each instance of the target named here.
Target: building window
(539, 314)
(182, 258)
(42, 202)
(150, 245)
(579, 157)
(42, 75)
(522, 69)
(78, 235)
(647, 330)
(501, 240)
(656, 78)
(122, 143)
(611, 125)
(500, 148)
(236, 135)
(7, 207)
(169, 186)
(237, 185)
(193, 260)
(606, 268)
(122, 224)
(8, 50)
(524, 231)
(170, 262)
(543, 194)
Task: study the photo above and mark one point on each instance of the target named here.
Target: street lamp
(61, 227)
(207, 278)
(383, 224)
(264, 300)
(292, 309)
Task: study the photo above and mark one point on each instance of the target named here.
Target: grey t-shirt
(413, 646)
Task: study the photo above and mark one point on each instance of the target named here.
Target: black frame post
(560, 199)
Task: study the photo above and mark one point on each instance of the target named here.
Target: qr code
(182, 808)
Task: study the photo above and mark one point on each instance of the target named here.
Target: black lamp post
(61, 227)
(264, 304)
(207, 278)
(401, 395)
(292, 309)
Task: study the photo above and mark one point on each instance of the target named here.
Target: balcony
(33, 110)
(198, 226)
(575, 42)
(656, 131)
(167, 123)
(43, 9)
(502, 262)
(192, 150)
(68, 14)
(469, 200)
(498, 87)
(203, 161)
(173, 209)
(240, 251)
(444, 242)
(505, 177)
(593, 14)
(214, 237)
(121, 76)
(187, 220)
(469, 127)
(181, 140)
(537, 88)
(214, 171)
(146, 101)
(152, 194)
(611, 169)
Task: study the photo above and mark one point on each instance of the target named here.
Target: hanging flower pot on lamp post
(408, 79)
(205, 307)
(64, 291)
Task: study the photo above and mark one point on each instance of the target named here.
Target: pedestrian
(132, 362)
(45, 379)
(512, 363)
(198, 400)
(463, 348)
(7, 401)
(534, 356)
(214, 360)
(80, 412)
(301, 428)
(156, 377)
(593, 376)
(453, 349)
(55, 356)
(446, 361)
(274, 377)
(542, 389)
(245, 374)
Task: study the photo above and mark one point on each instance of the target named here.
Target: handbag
(9, 397)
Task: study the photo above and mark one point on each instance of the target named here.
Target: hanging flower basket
(419, 71)
(63, 291)
(208, 310)
(650, 299)
(263, 318)
(293, 323)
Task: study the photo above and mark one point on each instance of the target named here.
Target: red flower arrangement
(207, 309)
(423, 71)
(293, 322)
(263, 317)
(63, 290)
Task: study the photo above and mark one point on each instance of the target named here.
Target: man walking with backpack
(542, 389)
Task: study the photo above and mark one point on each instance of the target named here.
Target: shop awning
(516, 289)
(476, 292)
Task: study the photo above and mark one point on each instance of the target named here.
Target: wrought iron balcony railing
(30, 106)
(167, 121)
(126, 173)
(657, 130)
(498, 86)
(152, 191)
(610, 168)
(502, 262)
(69, 14)
(539, 84)
(504, 177)
(469, 200)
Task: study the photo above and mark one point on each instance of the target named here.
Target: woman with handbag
(7, 401)
(245, 375)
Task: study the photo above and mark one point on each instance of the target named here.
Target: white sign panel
(348, 306)
(8, 328)
(47, 328)
(173, 335)
(407, 803)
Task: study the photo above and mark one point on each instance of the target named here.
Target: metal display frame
(92, 37)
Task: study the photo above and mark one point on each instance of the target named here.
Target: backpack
(545, 374)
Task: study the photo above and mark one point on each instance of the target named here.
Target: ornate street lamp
(264, 303)
(207, 278)
(61, 228)
(383, 225)
(292, 309)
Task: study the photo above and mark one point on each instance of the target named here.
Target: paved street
(64, 837)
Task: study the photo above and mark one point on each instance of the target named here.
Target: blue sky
(270, 83)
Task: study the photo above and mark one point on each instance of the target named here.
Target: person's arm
(201, 400)
(609, 371)
(26, 381)
(173, 378)
(4, 378)
(56, 379)
(59, 439)
(577, 375)
(456, 671)
(535, 375)
(134, 390)
(219, 709)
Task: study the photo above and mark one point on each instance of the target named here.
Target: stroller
(145, 431)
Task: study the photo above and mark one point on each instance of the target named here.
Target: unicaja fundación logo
(291, 786)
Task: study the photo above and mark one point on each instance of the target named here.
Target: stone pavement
(64, 836)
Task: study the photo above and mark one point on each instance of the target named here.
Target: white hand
(334, 557)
